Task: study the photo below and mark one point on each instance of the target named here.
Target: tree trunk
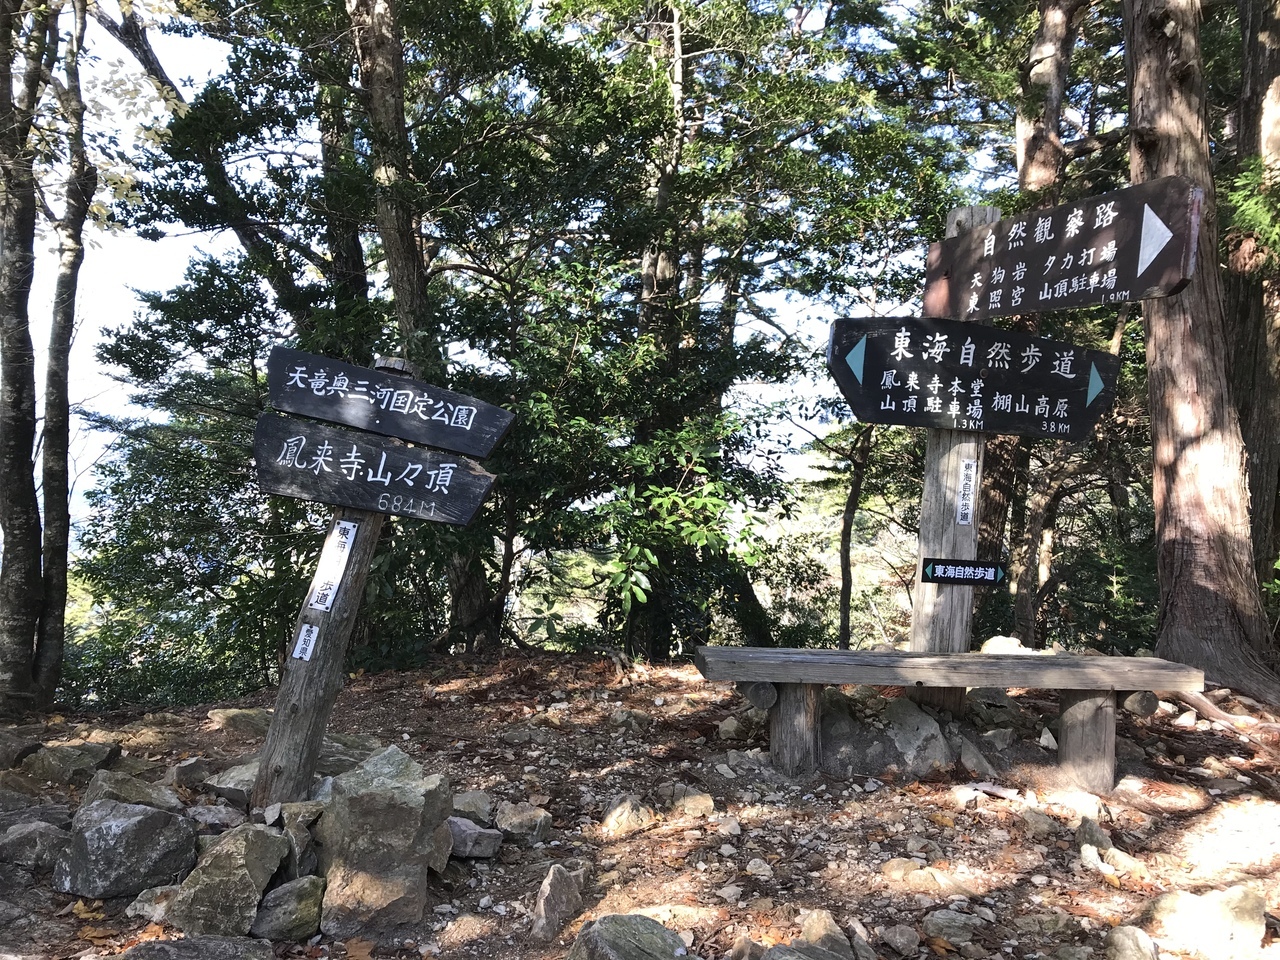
(1211, 613)
(861, 457)
(25, 59)
(1044, 82)
(1252, 298)
(81, 183)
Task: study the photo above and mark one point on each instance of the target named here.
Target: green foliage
(1250, 208)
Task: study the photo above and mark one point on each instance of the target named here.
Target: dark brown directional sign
(383, 403)
(314, 461)
(951, 375)
(967, 572)
(1133, 244)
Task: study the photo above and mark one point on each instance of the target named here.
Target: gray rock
(910, 745)
(221, 895)
(297, 820)
(15, 879)
(71, 765)
(1090, 832)
(819, 928)
(37, 846)
(291, 911)
(799, 950)
(213, 818)
(153, 903)
(634, 721)
(121, 849)
(235, 784)
(11, 800)
(999, 739)
(189, 773)
(1218, 925)
(14, 749)
(109, 785)
(975, 762)
(1038, 825)
(901, 939)
(8, 914)
(744, 948)
(522, 822)
(201, 948)
(474, 805)
(617, 936)
(951, 925)
(381, 833)
(56, 814)
(684, 799)
(731, 728)
(559, 901)
(1141, 703)
(242, 722)
(626, 814)
(472, 840)
(1129, 943)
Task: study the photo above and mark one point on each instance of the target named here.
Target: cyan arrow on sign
(1096, 385)
(857, 358)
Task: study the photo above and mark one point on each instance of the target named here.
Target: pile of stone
(354, 858)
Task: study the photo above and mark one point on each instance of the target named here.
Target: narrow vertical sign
(333, 563)
(968, 485)
(306, 644)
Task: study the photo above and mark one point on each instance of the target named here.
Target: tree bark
(21, 586)
(1253, 297)
(1040, 154)
(1211, 613)
(81, 183)
(859, 460)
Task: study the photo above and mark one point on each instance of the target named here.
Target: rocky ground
(719, 848)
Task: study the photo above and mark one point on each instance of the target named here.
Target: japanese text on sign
(333, 562)
(964, 503)
(322, 383)
(306, 644)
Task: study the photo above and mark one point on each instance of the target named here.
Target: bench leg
(795, 735)
(1087, 738)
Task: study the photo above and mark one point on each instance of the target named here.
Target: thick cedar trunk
(861, 457)
(56, 491)
(1211, 614)
(21, 586)
(1253, 299)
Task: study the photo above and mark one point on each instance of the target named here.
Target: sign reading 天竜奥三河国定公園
(951, 375)
(384, 403)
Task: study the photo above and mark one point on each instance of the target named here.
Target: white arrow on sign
(1155, 235)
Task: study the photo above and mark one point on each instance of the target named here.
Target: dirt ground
(1198, 810)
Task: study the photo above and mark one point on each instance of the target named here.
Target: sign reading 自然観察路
(962, 376)
(1132, 244)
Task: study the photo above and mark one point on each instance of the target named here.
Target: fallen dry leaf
(940, 945)
(88, 911)
(98, 936)
(360, 949)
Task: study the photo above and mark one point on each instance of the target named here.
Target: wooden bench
(1086, 687)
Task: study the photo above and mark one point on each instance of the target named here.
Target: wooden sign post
(367, 477)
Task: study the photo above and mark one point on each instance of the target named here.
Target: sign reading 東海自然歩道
(1133, 244)
(384, 403)
(951, 375)
(965, 572)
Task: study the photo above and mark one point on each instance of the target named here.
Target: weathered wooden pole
(312, 674)
(942, 614)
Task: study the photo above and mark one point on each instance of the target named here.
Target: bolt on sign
(1133, 244)
(951, 375)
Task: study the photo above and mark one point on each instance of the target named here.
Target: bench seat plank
(902, 668)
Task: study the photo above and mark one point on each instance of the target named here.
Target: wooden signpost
(961, 380)
(367, 476)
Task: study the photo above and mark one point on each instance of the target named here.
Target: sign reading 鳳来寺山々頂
(1132, 244)
(314, 461)
(384, 403)
(951, 375)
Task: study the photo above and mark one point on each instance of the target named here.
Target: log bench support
(1087, 693)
